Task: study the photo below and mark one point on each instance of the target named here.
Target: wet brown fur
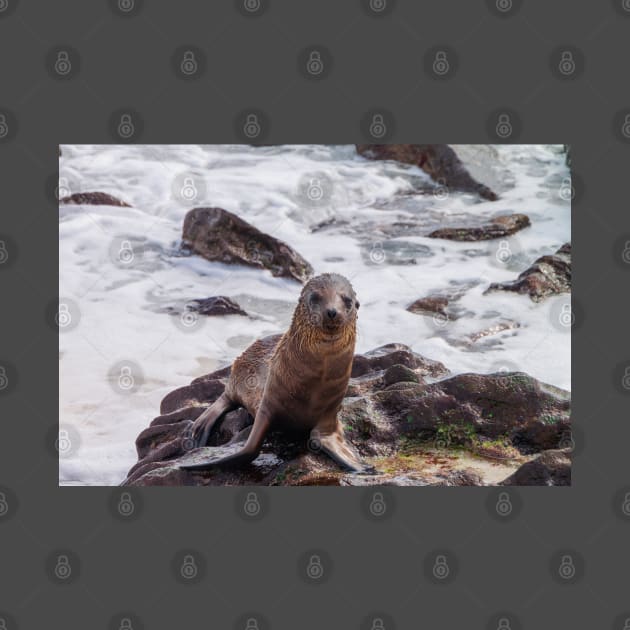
(298, 379)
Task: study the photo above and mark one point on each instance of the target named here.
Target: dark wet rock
(551, 468)
(396, 353)
(218, 305)
(444, 302)
(399, 373)
(548, 275)
(499, 227)
(437, 160)
(431, 305)
(220, 236)
(93, 199)
(389, 408)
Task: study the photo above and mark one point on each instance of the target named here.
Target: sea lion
(297, 379)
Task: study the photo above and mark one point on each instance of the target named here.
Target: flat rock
(548, 275)
(437, 160)
(221, 236)
(499, 227)
(93, 199)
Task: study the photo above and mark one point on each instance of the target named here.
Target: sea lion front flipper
(340, 450)
(247, 454)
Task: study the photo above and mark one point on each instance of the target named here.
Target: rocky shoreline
(404, 413)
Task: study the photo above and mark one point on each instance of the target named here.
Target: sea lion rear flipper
(338, 449)
(211, 418)
(244, 455)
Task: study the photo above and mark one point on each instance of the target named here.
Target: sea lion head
(330, 304)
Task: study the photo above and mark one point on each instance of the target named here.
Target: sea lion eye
(356, 305)
(347, 301)
(315, 298)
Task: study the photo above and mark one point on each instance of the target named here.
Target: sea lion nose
(332, 313)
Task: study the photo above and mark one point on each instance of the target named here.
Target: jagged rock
(499, 227)
(548, 275)
(437, 160)
(220, 236)
(93, 199)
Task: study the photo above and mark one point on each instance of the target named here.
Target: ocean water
(367, 220)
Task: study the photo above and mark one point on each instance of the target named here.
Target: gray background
(378, 61)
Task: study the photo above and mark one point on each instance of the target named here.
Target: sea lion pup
(297, 379)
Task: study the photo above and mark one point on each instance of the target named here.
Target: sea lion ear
(356, 305)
